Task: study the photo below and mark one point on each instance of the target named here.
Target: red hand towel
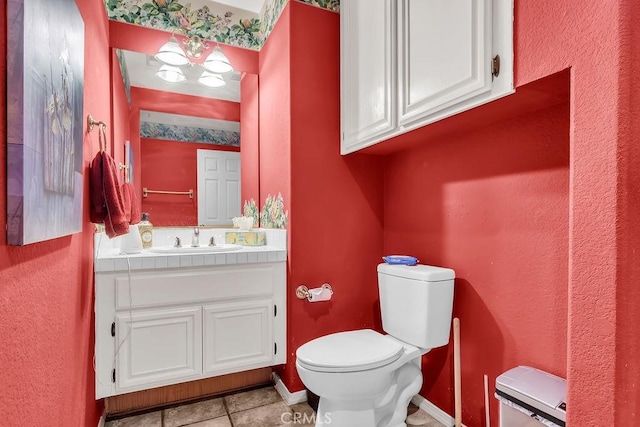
(131, 209)
(115, 221)
(97, 210)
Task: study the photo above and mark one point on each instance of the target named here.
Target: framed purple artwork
(45, 73)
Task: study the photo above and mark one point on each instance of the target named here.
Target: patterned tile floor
(256, 408)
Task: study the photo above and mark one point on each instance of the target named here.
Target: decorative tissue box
(246, 238)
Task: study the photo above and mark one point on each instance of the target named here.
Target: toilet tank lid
(426, 273)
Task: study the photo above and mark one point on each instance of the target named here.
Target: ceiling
(254, 6)
(142, 69)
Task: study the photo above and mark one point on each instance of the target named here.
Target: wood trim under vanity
(177, 393)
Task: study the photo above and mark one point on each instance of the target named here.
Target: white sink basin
(194, 250)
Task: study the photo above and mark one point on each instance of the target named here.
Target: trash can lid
(533, 387)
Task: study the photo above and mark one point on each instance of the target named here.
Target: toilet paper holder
(302, 292)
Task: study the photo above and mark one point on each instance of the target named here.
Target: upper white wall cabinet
(408, 63)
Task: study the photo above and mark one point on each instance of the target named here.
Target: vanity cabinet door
(238, 335)
(158, 347)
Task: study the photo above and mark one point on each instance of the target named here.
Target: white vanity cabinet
(409, 63)
(238, 334)
(158, 347)
(165, 326)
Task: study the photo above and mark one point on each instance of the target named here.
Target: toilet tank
(416, 303)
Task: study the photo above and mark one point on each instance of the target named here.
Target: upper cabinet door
(408, 63)
(444, 51)
(368, 71)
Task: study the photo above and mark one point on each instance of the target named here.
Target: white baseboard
(428, 407)
(441, 416)
(102, 420)
(290, 398)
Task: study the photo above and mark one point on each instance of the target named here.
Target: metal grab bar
(145, 192)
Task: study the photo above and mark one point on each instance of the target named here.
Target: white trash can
(530, 397)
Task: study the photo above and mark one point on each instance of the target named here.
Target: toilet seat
(350, 351)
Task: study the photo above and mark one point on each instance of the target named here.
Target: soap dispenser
(146, 231)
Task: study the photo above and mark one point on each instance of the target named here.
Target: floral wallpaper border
(189, 134)
(220, 25)
(184, 18)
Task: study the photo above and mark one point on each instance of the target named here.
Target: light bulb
(171, 74)
(171, 53)
(217, 62)
(211, 79)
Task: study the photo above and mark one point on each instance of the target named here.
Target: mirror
(169, 124)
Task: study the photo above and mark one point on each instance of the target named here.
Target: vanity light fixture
(217, 62)
(173, 56)
(195, 46)
(171, 53)
(211, 79)
(171, 74)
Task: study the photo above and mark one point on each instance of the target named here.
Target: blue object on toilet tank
(400, 260)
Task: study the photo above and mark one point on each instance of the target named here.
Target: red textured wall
(172, 166)
(335, 226)
(496, 210)
(275, 113)
(564, 230)
(46, 289)
(628, 292)
(596, 41)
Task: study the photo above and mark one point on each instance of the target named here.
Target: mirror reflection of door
(176, 120)
(218, 187)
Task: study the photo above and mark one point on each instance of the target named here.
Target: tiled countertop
(108, 257)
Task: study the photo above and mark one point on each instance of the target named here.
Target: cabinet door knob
(495, 66)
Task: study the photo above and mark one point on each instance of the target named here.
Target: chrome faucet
(195, 240)
(177, 244)
(212, 241)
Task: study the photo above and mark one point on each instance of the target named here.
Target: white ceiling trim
(254, 6)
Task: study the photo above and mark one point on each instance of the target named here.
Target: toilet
(366, 379)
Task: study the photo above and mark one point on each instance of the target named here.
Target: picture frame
(45, 91)
(128, 160)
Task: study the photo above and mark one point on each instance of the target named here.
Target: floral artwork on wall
(273, 214)
(45, 68)
(189, 134)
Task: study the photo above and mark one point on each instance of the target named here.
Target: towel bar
(145, 192)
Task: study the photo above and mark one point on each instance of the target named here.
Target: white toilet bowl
(364, 378)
